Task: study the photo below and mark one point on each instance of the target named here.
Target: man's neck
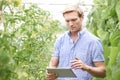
(74, 36)
(75, 33)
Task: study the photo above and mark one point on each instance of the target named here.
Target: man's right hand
(51, 76)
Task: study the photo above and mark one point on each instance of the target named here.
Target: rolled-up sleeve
(56, 50)
(97, 51)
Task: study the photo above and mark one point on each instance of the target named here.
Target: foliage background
(104, 22)
(29, 33)
(26, 42)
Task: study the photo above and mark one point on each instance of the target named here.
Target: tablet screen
(62, 72)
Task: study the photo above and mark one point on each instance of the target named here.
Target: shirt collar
(80, 33)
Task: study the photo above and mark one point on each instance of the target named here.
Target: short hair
(71, 8)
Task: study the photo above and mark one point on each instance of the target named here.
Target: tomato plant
(26, 43)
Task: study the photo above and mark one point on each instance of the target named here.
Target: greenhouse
(29, 29)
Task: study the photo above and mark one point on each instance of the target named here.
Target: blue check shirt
(88, 48)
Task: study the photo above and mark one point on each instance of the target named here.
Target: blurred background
(56, 6)
(29, 28)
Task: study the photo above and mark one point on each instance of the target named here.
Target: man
(78, 49)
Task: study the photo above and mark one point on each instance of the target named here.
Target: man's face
(74, 22)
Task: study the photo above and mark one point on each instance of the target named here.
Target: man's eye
(74, 19)
(67, 21)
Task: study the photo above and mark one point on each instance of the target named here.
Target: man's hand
(78, 64)
(98, 70)
(51, 76)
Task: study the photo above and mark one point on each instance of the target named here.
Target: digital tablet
(62, 72)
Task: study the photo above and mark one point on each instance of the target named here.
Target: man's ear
(82, 16)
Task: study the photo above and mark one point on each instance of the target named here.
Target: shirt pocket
(64, 56)
(81, 54)
(64, 53)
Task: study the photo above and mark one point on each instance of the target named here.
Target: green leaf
(106, 53)
(115, 38)
(117, 8)
(113, 55)
(116, 69)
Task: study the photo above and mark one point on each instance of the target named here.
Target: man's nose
(70, 23)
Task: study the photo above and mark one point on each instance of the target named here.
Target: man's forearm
(53, 62)
(96, 71)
